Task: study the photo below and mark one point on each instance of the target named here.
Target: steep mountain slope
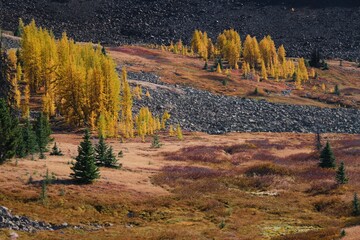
(300, 25)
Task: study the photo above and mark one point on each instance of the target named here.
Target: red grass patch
(199, 154)
(266, 169)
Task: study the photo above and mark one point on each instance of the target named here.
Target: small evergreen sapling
(104, 155)
(110, 160)
(327, 158)
(156, 142)
(56, 151)
(337, 90)
(341, 174)
(355, 205)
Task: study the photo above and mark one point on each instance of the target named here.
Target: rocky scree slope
(198, 110)
(301, 25)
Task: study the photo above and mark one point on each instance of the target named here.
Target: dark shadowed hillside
(333, 26)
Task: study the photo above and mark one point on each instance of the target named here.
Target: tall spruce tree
(327, 158)
(9, 132)
(85, 169)
(43, 132)
(27, 143)
(341, 174)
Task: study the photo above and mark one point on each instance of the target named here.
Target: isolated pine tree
(355, 205)
(43, 132)
(337, 90)
(85, 169)
(9, 132)
(327, 158)
(156, 142)
(341, 174)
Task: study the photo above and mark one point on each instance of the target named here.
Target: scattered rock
(22, 223)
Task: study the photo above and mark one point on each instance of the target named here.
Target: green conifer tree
(43, 132)
(156, 142)
(341, 174)
(56, 151)
(355, 205)
(337, 90)
(327, 158)
(110, 160)
(85, 169)
(100, 151)
(27, 142)
(9, 132)
(104, 155)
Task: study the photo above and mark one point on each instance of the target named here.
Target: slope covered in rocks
(198, 110)
(301, 25)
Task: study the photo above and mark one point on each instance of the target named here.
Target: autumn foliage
(75, 81)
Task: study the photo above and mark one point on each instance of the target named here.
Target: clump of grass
(173, 175)
(238, 148)
(264, 169)
(323, 187)
(198, 154)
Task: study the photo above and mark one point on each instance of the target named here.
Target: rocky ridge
(301, 25)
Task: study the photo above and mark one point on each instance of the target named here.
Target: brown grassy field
(233, 186)
(183, 70)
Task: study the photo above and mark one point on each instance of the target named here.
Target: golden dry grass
(178, 69)
(208, 192)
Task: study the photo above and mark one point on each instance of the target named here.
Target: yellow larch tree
(229, 45)
(165, 117)
(126, 120)
(14, 95)
(264, 75)
(179, 133)
(281, 54)
(171, 131)
(251, 51)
